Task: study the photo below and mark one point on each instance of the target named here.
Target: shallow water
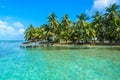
(58, 63)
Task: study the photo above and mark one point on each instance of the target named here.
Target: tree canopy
(103, 27)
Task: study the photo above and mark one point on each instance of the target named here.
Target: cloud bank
(100, 5)
(14, 32)
(18, 24)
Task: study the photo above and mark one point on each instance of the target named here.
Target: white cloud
(18, 24)
(101, 4)
(10, 32)
(21, 30)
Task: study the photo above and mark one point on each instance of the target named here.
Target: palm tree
(90, 33)
(117, 38)
(81, 23)
(103, 27)
(74, 32)
(110, 18)
(98, 25)
(48, 32)
(66, 24)
(54, 25)
(43, 31)
(30, 33)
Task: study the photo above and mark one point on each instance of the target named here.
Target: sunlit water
(55, 63)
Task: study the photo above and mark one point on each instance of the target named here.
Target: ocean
(58, 63)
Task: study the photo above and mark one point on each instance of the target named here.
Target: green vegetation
(103, 27)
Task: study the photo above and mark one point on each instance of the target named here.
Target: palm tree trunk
(60, 41)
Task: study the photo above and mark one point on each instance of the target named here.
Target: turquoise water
(55, 63)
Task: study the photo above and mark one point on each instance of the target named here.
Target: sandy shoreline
(86, 45)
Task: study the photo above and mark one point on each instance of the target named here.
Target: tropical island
(102, 28)
(72, 46)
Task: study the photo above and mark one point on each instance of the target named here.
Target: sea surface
(58, 63)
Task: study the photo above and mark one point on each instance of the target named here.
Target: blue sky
(16, 15)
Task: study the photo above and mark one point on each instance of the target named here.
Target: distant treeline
(103, 27)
